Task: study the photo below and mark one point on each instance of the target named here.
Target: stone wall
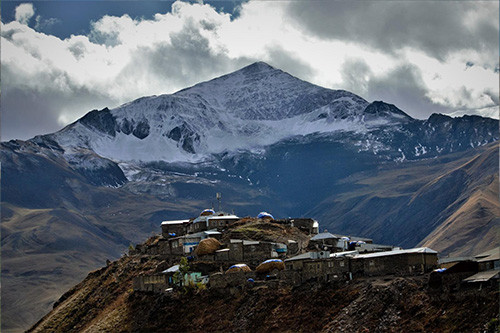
(401, 264)
(156, 282)
(223, 280)
(320, 269)
(179, 229)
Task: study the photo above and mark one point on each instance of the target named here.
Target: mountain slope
(449, 203)
(472, 226)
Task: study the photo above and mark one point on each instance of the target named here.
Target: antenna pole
(218, 196)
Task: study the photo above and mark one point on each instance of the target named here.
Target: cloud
(435, 27)
(24, 12)
(402, 86)
(42, 24)
(48, 81)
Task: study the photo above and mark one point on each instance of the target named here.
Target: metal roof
(302, 256)
(343, 254)
(174, 222)
(324, 235)
(224, 217)
(493, 254)
(396, 252)
(172, 269)
(248, 242)
(454, 259)
(482, 276)
(212, 232)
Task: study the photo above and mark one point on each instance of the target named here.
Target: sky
(61, 59)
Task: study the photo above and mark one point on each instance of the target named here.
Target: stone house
(320, 266)
(160, 282)
(217, 221)
(174, 228)
(185, 245)
(403, 262)
(156, 282)
(254, 251)
(452, 273)
(325, 241)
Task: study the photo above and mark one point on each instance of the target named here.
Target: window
(342, 264)
(330, 264)
(372, 263)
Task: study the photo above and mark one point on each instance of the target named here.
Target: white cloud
(24, 12)
(48, 82)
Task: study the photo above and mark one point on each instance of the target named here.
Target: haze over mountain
(267, 141)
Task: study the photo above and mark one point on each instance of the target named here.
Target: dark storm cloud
(185, 60)
(436, 27)
(403, 86)
(27, 112)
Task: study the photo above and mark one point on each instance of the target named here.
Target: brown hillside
(105, 302)
(449, 204)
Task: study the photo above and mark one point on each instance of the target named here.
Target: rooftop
(483, 276)
(343, 254)
(396, 252)
(454, 259)
(174, 222)
(223, 217)
(493, 254)
(172, 269)
(324, 235)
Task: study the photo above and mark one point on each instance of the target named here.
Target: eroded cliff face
(106, 301)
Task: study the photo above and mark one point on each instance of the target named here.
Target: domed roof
(264, 215)
(207, 212)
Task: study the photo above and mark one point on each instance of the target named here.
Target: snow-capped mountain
(251, 108)
(241, 116)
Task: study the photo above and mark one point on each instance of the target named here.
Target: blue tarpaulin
(440, 270)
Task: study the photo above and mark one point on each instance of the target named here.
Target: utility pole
(218, 196)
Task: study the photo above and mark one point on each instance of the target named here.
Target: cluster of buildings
(322, 257)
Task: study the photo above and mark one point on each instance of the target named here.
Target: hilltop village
(222, 273)
(223, 251)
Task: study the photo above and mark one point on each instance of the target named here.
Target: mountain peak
(258, 67)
